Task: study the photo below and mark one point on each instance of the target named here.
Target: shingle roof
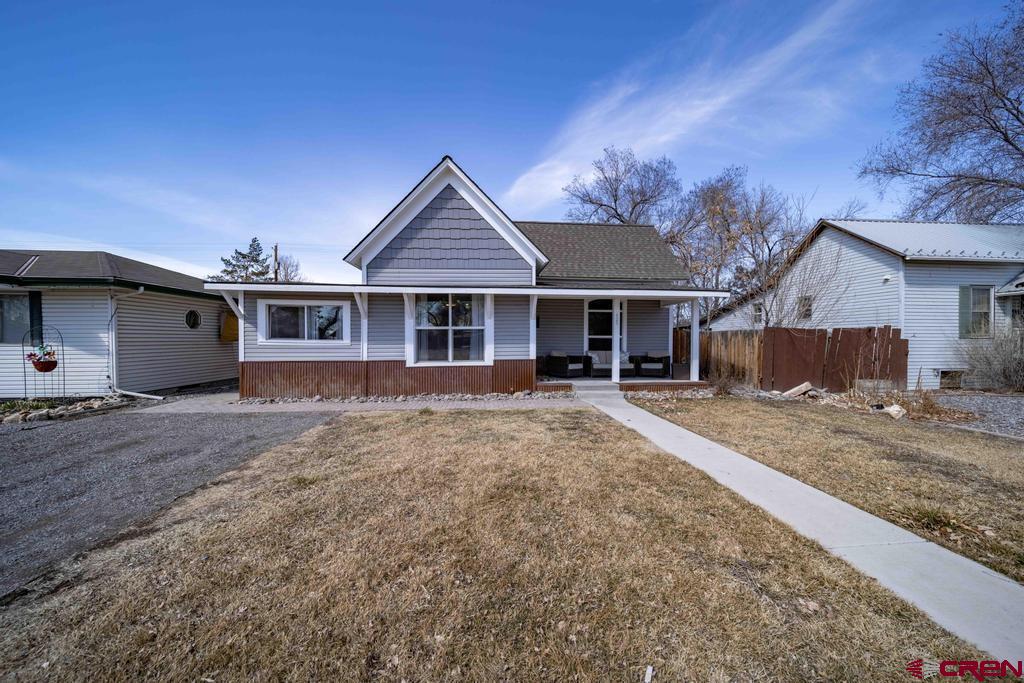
(50, 266)
(941, 241)
(601, 251)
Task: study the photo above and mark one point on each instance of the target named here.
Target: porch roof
(674, 294)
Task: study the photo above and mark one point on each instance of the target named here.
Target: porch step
(596, 389)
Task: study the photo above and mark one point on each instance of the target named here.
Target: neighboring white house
(115, 323)
(944, 285)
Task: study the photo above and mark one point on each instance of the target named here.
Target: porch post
(616, 327)
(694, 340)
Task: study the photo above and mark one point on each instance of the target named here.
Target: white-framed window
(981, 311)
(758, 309)
(805, 307)
(287, 321)
(1017, 313)
(450, 328)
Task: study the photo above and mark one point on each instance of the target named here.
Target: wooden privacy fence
(781, 357)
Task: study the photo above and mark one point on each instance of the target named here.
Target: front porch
(622, 385)
(625, 340)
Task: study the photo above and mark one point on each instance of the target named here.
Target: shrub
(999, 363)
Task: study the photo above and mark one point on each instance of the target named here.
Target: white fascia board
(445, 173)
(549, 292)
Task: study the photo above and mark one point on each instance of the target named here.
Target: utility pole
(277, 267)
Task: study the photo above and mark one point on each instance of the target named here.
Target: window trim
(1018, 303)
(263, 322)
(199, 315)
(757, 312)
(800, 308)
(991, 312)
(411, 329)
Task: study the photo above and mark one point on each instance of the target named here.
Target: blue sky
(174, 132)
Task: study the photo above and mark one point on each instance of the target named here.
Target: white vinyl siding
(851, 284)
(81, 316)
(933, 313)
(157, 350)
(301, 351)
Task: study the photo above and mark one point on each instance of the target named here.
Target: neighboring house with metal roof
(456, 297)
(945, 285)
(113, 322)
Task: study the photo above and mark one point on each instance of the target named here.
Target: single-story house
(455, 297)
(114, 324)
(944, 285)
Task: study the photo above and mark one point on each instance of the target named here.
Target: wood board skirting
(339, 379)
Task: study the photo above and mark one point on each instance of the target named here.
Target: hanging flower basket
(43, 359)
(44, 365)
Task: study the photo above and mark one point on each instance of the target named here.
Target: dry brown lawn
(434, 546)
(959, 488)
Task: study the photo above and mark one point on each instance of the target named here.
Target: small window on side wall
(976, 311)
(1017, 313)
(805, 307)
(758, 314)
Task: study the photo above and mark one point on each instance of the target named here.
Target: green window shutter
(965, 311)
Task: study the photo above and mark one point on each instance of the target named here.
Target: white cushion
(594, 356)
(575, 366)
(602, 365)
(557, 354)
(651, 366)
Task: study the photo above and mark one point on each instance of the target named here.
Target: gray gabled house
(457, 297)
(945, 285)
(115, 323)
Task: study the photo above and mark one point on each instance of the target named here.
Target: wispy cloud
(655, 112)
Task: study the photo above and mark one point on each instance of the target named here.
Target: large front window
(449, 327)
(286, 321)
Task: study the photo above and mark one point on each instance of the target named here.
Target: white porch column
(694, 340)
(616, 328)
(533, 326)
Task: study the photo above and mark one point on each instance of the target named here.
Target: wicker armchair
(560, 364)
(654, 365)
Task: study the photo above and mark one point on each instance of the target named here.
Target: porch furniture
(601, 364)
(655, 365)
(560, 364)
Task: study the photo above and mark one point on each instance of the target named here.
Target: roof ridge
(615, 225)
(899, 220)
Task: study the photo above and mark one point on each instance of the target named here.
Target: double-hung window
(976, 311)
(450, 328)
(289, 322)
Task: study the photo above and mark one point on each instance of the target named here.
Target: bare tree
(960, 148)
(622, 189)
(288, 269)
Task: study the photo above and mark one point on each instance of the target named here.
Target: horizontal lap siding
(933, 314)
(560, 326)
(156, 350)
(436, 276)
(386, 327)
(332, 379)
(646, 327)
(81, 316)
(852, 283)
(256, 351)
(511, 327)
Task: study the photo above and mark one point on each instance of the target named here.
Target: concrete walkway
(224, 402)
(979, 605)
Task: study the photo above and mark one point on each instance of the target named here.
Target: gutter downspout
(113, 349)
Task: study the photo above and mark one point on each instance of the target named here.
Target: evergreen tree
(245, 266)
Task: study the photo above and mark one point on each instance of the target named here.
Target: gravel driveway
(1000, 413)
(66, 486)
